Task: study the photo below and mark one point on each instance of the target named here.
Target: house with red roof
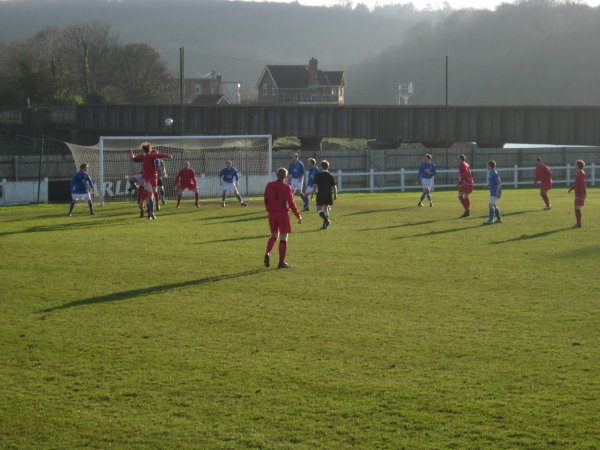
(301, 84)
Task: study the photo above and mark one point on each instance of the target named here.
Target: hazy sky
(422, 4)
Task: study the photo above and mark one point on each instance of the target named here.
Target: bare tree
(89, 50)
(140, 77)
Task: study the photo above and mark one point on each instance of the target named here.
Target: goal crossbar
(111, 166)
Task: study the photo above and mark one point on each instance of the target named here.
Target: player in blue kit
(310, 180)
(495, 186)
(425, 176)
(162, 174)
(296, 178)
(79, 188)
(229, 179)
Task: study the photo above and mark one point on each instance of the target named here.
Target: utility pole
(446, 120)
(181, 87)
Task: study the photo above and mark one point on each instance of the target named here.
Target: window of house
(198, 89)
(265, 90)
(274, 91)
(334, 91)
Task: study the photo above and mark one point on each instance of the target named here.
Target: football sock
(239, 197)
(91, 206)
(150, 205)
(491, 217)
(497, 212)
(546, 199)
(72, 206)
(196, 197)
(304, 199)
(271, 244)
(223, 197)
(282, 251)
(322, 214)
(423, 196)
(157, 196)
(429, 196)
(178, 199)
(578, 216)
(467, 203)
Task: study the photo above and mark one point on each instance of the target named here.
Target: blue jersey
(493, 183)
(80, 182)
(228, 174)
(427, 171)
(311, 175)
(296, 169)
(159, 166)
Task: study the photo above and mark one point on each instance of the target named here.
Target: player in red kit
(580, 190)
(150, 173)
(543, 175)
(186, 179)
(465, 184)
(279, 199)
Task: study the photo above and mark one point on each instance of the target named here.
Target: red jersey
(185, 178)
(464, 174)
(579, 184)
(149, 168)
(543, 174)
(279, 198)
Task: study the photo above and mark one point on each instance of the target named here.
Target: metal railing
(402, 180)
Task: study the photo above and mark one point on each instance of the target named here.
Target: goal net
(111, 165)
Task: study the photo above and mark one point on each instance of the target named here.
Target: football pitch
(398, 327)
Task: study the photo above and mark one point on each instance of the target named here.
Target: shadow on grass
(375, 211)
(526, 237)
(66, 226)
(237, 216)
(133, 293)
(404, 225)
(439, 232)
(251, 238)
(262, 216)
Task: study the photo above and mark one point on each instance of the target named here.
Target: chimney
(313, 72)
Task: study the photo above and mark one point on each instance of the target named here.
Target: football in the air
(168, 121)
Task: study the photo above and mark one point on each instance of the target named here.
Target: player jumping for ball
(150, 174)
(279, 199)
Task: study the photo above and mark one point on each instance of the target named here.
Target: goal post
(111, 165)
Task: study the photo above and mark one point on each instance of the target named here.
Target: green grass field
(398, 327)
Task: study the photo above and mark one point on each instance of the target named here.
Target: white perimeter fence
(402, 180)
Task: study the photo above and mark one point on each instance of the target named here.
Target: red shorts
(545, 187)
(188, 186)
(142, 195)
(465, 188)
(153, 180)
(280, 222)
(579, 201)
